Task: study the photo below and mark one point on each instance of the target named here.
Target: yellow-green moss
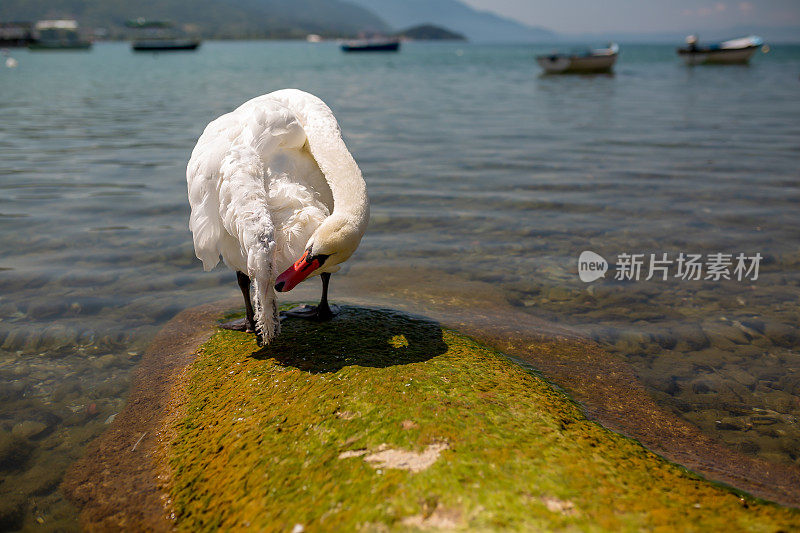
(258, 443)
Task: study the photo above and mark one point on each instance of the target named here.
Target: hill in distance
(480, 26)
(212, 18)
(429, 32)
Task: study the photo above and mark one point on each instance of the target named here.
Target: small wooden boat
(590, 61)
(58, 35)
(736, 51)
(371, 45)
(160, 36)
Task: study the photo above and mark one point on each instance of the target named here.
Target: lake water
(477, 167)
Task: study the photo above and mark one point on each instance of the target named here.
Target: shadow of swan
(357, 336)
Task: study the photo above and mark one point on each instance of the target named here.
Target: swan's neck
(349, 192)
(328, 149)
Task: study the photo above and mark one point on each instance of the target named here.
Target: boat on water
(735, 51)
(58, 35)
(372, 45)
(14, 34)
(160, 36)
(166, 45)
(589, 61)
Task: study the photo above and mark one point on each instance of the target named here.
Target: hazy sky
(635, 16)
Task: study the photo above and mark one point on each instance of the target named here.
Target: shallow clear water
(476, 165)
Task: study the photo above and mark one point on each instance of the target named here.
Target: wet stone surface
(397, 423)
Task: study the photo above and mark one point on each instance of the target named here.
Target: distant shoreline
(554, 43)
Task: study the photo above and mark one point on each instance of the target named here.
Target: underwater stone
(559, 294)
(781, 334)
(13, 450)
(702, 386)
(754, 323)
(41, 479)
(104, 361)
(665, 340)
(12, 511)
(749, 447)
(690, 337)
(70, 389)
(46, 308)
(732, 423)
(741, 376)
(58, 336)
(29, 429)
(14, 340)
(734, 334)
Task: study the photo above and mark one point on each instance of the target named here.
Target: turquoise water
(477, 166)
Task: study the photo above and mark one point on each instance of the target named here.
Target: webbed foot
(319, 313)
(240, 324)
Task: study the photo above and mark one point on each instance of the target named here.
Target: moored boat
(735, 51)
(591, 61)
(58, 35)
(165, 45)
(13, 34)
(372, 45)
(160, 36)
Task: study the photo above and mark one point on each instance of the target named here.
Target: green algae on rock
(381, 421)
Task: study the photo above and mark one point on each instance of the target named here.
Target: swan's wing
(202, 178)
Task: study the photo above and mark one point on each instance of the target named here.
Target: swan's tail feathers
(245, 215)
(230, 213)
(243, 208)
(261, 265)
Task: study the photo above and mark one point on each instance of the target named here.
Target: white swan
(272, 189)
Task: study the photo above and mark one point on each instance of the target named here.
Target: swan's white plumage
(261, 181)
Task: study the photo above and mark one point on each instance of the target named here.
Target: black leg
(244, 285)
(248, 323)
(322, 311)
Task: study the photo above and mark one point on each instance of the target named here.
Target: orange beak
(296, 273)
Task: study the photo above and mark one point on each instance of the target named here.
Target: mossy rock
(378, 421)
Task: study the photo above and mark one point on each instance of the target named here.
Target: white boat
(593, 60)
(58, 35)
(735, 51)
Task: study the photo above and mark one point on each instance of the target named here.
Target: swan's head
(333, 243)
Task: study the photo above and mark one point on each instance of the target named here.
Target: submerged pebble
(29, 429)
(13, 450)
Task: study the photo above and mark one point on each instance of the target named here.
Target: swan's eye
(321, 258)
